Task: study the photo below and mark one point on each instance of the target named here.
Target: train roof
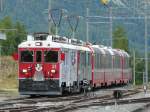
(108, 50)
(44, 40)
(48, 43)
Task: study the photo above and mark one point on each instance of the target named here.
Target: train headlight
(53, 71)
(38, 44)
(24, 70)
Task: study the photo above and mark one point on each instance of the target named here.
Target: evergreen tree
(14, 37)
(20, 34)
(120, 39)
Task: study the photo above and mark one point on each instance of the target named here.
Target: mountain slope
(31, 13)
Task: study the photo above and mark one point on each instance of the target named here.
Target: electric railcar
(50, 65)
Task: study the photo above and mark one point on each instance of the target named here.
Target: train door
(70, 67)
(102, 69)
(81, 66)
(38, 63)
(73, 67)
(67, 68)
(88, 66)
(64, 68)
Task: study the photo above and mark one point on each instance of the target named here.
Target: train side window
(84, 59)
(99, 61)
(38, 56)
(89, 59)
(81, 58)
(95, 60)
(73, 57)
(115, 61)
(51, 56)
(66, 60)
(119, 61)
(110, 62)
(26, 56)
(126, 63)
(103, 61)
(106, 61)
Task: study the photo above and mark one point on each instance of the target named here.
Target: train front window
(38, 56)
(51, 56)
(26, 56)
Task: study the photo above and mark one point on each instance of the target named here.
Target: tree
(13, 37)
(120, 39)
(20, 34)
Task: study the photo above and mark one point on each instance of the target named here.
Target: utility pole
(146, 45)
(133, 67)
(146, 52)
(1, 5)
(111, 20)
(49, 8)
(87, 25)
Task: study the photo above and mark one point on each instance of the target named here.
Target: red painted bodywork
(46, 67)
(92, 63)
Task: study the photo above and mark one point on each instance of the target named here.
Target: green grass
(8, 74)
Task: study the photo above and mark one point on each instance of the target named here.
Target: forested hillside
(32, 14)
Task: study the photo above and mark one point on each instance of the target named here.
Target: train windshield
(26, 56)
(51, 56)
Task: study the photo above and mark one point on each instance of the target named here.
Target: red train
(50, 65)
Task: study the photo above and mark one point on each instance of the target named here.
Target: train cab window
(118, 62)
(83, 58)
(126, 63)
(26, 56)
(51, 56)
(95, 60)
(38, 56)
(107, 61)
(102, 61)
(89, 59)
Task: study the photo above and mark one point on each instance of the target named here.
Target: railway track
(100, 101)
(59, 104)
